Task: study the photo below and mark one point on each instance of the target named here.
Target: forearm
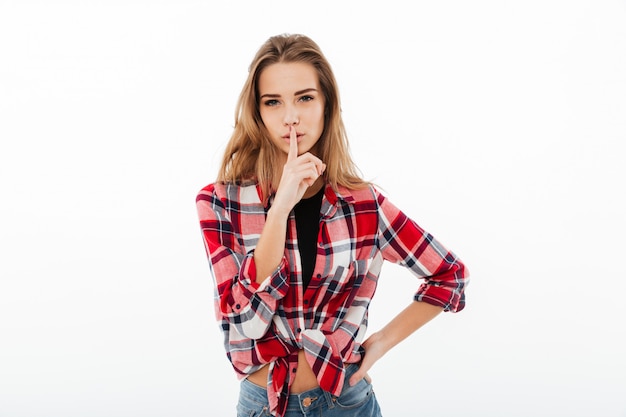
(399, 328)
(270, 248)
(406, 322)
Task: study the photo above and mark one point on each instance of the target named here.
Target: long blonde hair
(250, 154)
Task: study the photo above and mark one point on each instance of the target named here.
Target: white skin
(292, 109)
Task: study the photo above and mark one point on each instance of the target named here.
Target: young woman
(296, 241)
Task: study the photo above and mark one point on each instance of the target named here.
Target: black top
(308, 224)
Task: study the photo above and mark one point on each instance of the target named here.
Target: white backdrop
(498, 125)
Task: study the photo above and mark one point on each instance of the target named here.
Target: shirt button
(306, 301)
(238, 306)
(294, 370)
(298, 330)
(319, 275)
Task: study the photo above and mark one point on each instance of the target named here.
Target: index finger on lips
(293, 144)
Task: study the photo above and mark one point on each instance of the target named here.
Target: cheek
(267, 120)
(319, 115)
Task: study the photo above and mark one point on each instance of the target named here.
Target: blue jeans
(357, 401)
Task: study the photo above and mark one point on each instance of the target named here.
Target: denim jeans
(357, 401)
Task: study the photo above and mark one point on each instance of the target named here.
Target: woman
(296, 241)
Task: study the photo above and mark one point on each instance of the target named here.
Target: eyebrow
(297, 93)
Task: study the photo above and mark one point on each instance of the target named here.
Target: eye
(306, 98)
(271, 102)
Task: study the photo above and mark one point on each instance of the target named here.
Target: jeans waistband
(303, 401)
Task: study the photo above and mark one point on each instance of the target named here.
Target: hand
(375, 348)
(409, 320)
(299, 173)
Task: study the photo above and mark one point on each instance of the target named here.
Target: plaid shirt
(268, 322)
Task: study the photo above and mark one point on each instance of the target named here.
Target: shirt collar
(333, 196)
(341, 193)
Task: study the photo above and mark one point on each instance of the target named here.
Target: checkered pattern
(269, 321)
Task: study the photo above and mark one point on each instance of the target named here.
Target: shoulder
(372, 201)
(208, 192)
(246, 193)
(365, 195)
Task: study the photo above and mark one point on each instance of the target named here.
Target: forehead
(288, 77)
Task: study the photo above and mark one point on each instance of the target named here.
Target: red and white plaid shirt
(270, 321)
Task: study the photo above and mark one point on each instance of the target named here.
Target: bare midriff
(304, 381)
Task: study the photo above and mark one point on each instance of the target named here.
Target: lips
(287, 137)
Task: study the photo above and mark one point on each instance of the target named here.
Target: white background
(498, 125)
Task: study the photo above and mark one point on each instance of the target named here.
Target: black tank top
(307, 213)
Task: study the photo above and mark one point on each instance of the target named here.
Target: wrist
(278, 213)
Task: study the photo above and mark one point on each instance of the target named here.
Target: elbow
(457, 285)
(249, 322)
(446, 288)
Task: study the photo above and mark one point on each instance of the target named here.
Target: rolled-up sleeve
(246, 304)
(404, 242)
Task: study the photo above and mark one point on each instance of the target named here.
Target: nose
(291, 117)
